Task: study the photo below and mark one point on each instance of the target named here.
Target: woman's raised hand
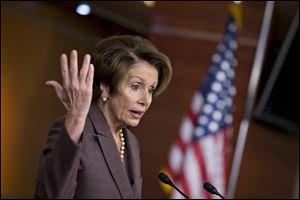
(76, 91)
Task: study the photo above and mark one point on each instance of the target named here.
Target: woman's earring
(104, 99)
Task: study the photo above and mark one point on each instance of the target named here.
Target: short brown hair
(114, 56)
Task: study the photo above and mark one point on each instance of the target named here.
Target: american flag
(200, 153)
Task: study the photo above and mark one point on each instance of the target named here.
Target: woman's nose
(145, 99)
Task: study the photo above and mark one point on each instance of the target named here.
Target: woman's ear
(104, 92)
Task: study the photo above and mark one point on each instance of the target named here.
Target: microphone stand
(220, 196)
(174, 186)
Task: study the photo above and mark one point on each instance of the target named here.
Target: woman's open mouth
(136, 113)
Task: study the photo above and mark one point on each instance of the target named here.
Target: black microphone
(211, 189)
(166, 180)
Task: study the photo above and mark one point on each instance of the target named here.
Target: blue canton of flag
(200, 152)
(218, 90)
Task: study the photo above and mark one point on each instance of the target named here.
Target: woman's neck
(114, 126)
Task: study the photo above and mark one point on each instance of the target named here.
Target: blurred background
(35, 33)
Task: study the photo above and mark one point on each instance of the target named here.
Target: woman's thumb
(57, 87)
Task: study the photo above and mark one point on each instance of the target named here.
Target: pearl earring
(104, 99)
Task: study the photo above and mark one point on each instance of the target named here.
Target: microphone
(166, 180)
(211, 189)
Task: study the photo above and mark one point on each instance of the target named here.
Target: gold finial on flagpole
(236, 10)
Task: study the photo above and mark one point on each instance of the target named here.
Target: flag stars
(207, 108)
(230, 73)
(228, 54)
(199, 131)
(220, 105)
(213, 126)
(228, 119)
(217, 115)
(228, 102)
(221, 76)
(216, 58)
(225, 65)
(212, 97)
(216, 87)
(227, 83)
(223, 94)
(203, 120)
(233, 44)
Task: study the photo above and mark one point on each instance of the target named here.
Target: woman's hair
(114, 56)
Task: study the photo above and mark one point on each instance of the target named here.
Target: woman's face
(135, 95)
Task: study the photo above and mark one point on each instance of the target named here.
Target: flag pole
(252, 87)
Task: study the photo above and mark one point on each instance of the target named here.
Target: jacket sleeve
(58, 165)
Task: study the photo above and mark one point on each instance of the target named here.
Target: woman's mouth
(136, 113)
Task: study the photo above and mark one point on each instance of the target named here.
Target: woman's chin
(133, 123)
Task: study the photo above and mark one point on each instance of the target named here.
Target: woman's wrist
(74, 126)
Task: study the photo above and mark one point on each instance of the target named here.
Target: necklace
(122, 149)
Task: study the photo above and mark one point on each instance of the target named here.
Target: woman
(90, 152)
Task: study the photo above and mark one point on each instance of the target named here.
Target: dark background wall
(34, 34)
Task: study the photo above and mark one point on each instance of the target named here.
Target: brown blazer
(93, 168)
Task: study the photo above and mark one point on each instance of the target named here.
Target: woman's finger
(64, 70)
(84, 68)
(90, 77)
(73, 67)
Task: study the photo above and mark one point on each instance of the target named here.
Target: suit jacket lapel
(132, 158)
(134, 168)
(110, 152)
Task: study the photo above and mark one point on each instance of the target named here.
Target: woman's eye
(135, 87)
(151, 90)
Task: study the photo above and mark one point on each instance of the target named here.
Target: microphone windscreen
(164, 178)
(210, 188)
